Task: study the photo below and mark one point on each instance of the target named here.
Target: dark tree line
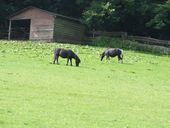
(72, 8)
(137, 17)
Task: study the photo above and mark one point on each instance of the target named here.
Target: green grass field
(34, 93)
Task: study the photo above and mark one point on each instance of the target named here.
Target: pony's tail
(121, 55)
(56, 53)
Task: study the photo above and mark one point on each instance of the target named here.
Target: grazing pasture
(34, 93)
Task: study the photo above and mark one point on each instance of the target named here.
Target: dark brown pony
(69, 54)
(112, 52)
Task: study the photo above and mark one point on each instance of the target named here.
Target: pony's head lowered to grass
(77, 60)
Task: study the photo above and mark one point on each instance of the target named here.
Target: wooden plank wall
(42, 29)
(68, 31)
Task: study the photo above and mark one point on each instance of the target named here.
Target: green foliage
(161, 21)
(98, 14)
(162, 17)
(132, 16)
(137, 17)
(73, 8)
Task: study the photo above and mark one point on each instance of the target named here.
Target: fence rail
(148, 40)
(140, 39)
(104, 33)
(124, 35)
(15, 33)
(3, 33)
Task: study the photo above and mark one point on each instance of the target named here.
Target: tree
(133, 16)
(99, 16)
(122, 15)
(73, 8)
(161, 21)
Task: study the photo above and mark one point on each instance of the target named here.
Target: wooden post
(9, 30)
(93, 33)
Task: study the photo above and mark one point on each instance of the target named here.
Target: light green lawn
(37, 94)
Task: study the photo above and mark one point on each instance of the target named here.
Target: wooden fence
(92, 34)
(124, 35)
(104, 33)
(149, 40)
(3, 33)
(16, 33)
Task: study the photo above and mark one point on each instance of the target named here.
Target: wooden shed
(32, 23)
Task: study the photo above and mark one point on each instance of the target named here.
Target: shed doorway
(20, 29)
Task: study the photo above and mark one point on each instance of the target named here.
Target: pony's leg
(54, 61)
(102, 56)
(71, 61)
(67, 61)
(120, 59)
(121, 56)
(107, 57)
(57, 59)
